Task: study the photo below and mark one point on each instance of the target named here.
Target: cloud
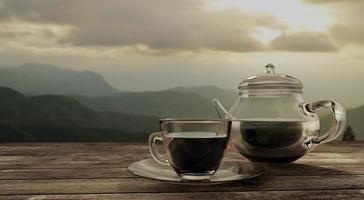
(159, 25)
(57, 11)
(6, 34)
(348, 28)
(165, 26)
(28, 34)
(348, 34)
(303, 41)
(191, 32)
(330, 1)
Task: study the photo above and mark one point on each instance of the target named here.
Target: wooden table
(99, 171)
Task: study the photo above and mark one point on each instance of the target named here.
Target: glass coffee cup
(195, 147)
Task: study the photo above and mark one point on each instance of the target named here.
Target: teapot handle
(338, 122)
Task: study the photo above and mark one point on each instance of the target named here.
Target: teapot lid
(271, 80)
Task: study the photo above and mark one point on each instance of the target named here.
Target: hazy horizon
(157, 45)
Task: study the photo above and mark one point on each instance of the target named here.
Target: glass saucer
(228, 171)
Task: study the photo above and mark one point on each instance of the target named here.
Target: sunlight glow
(265, 35)
(294, 15)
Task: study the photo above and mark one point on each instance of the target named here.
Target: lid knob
(271, 82)
(269, 68)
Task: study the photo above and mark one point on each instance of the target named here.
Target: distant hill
(117, 117)
(55, 104)
(355, 118)
(194, 102)
(36, 79)
(175, 102)
(49, 118)
(227, 97)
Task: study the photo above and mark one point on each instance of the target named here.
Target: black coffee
(196, 152)
(272, 141)
(271, 135)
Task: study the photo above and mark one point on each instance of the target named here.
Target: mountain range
(37, 79)
(190, 102)
(175, 102)
(355, 119)
(49, 118)
(43, 110)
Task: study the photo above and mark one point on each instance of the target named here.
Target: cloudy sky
(157, 44)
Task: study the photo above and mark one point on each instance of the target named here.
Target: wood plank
(98, 171)
(271, 170)
(64, 148)
(268, 195)
(32, 174)
(141, 185)
(296, 169)
(56, 148)
(92, 152)
(336, 142)
(103, 160)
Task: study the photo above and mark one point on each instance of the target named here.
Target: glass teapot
(271, 121)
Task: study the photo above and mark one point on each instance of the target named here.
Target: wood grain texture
(99, 171)
(121, 172)
(139, 185)
(269, 195)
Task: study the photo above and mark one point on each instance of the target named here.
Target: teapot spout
(220, 109)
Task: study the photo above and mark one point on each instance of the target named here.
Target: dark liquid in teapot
(196, 153)
(272, 141)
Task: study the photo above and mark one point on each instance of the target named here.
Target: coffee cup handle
(338, 122)
(156, 136)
